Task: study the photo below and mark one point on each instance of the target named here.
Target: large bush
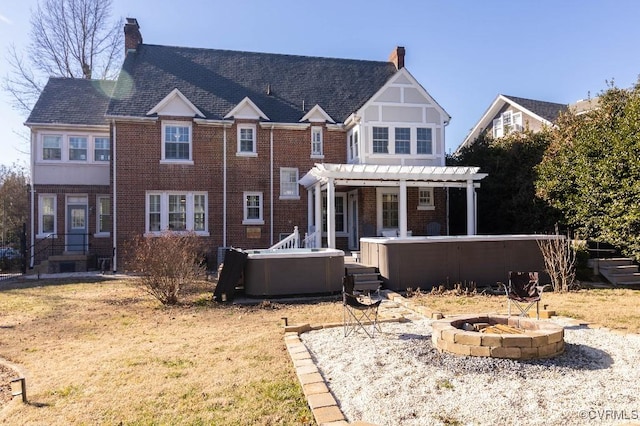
(166, 264)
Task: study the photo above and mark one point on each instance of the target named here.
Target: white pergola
(325, 177)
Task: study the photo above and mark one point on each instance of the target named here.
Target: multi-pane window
(52, 147)
(101, 149)
(252, 208)
(78, 148)
(316, 140)
(403, 140)
(104, 215)
(47, 214)
(424, 141)
(381, 140)
(177, 142)
(425, 197)
(340, 213)
(177, 212)
(390, 210)
(506, 123)
(246, 139)
(289, 182)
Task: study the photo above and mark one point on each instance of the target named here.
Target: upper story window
(289, 183)
(177, 211)
(403, 140)
(52, 147)
(506, 123)
(424, 140)
(77, 148)
(381, 140)
(352, 151)
(102, 149)
(247, 139)
(252, 208)
(176, 138)
(316, 141)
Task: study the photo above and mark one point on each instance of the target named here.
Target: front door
(77, 237)
(352, 225)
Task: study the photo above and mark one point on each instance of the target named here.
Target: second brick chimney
(132, 36)
(397, 57)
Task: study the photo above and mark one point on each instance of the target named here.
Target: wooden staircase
(366, 278)
(621, 272)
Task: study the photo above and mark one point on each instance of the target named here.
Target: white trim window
(380, 140)
(402, 140)
(101, 149)
(77, 148)
(506, 123)
(247, 140)
(289, 183)
(425, 199)
(424, 140)
(176, 211)
(316, 142)
(390, 210)
(52, 147)
(176, 141)
(47, 218)
(340, 213)
(252, 207)
(103, 218)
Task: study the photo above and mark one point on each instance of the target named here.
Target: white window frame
(100, 233)
(41, 198)
(85, 148)
(164, 211)
(395, 140)
(373, 140)
(245, 208)
(501, 129)
(379, 195)
(95, 149)
(432, 142)
(254, 151)
(170, 123)
(289, 190)
(60, 138)
(317, 142)
(425, 199)
(345, 216)
(516, 120)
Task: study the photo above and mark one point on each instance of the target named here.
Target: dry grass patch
(108, 353)
(613, 308)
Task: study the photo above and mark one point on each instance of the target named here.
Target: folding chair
(358, 313)
(524, 292)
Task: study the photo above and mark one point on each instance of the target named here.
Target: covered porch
(325, 178)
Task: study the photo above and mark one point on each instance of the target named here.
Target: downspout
(224, 186)
(33, 199)
(271, 183)
(114, 220)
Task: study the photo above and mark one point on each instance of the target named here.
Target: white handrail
(292, 241)
(309, 240)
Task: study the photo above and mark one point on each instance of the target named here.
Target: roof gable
(317, 115)
(175, 104)
(246, 109)
(218, 80)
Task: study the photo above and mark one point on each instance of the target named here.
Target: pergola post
(402, 208)
(471, 214)
(331, 213)
(317, 194)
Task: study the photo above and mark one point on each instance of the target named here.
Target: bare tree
(559, 259)
(68, 38)
(14, 202)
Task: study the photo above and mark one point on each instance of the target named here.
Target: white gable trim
(175, 96)
(240, 111)
(317, 115)
(491, 112)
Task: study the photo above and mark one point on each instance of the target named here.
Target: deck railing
(311, 240)
(292, 241)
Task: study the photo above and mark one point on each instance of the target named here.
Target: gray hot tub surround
(293, 272)
(431, 261)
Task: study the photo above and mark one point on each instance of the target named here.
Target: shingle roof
(547, 110)
(72, 101)
(217, 80)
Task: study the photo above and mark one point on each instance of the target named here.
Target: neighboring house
(240, 148)
(512, 114)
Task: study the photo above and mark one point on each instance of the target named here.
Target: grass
(108, 353)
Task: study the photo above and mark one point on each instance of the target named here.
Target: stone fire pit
(531, 338)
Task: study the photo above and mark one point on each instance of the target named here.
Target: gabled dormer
(248, 113)
(177, 105)
(317, 115)
(247, 110)
(400, 124)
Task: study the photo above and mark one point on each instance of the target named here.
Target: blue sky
(464, 53)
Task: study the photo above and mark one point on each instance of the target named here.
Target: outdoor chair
(358, 313)
(523, 291)
(433, 228)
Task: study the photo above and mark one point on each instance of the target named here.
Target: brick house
(240, 148)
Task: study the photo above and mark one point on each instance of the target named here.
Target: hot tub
(289, 272)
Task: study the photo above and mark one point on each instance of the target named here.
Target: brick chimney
(397, 57)
(132, 36)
